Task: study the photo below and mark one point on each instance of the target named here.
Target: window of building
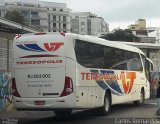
(54, 17)
(64, 18)
(61, 9)
(49, 24)
(35, 14)
(89, 29)
(0, 13)
(82, 29)
(54, 25)
(54, 30)
(25, 13)
(35, 22)
(54, 9)
(59, 25)
(64, 26)
(82, 23)
(27, 21)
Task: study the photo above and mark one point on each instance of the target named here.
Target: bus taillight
(68, 87)
(40, 33)
(62, 33)
(14, 88)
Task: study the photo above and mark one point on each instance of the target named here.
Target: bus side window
(146, 64)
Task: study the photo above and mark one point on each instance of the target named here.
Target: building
(140, 24)
(55, 17)
(154, 32)
(139, 29)
(8, 29)
(87, 23)
(47, 16)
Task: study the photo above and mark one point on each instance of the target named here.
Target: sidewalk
(8, 108)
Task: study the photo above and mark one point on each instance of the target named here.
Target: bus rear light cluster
(18, 36)
(62, 33)
(68, 87)
(40, 33)
(14, 88)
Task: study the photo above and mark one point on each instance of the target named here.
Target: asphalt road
(120, 114)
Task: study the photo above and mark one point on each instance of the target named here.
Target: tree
(15, 16)
(121, 35)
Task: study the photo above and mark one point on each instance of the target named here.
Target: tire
(105, 109)
(142, 99)
(63, 113)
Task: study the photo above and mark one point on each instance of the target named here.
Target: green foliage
(121, 35)
(15, 16)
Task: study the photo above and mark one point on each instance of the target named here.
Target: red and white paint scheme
(65, 71)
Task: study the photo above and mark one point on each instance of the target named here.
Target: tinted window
(97, 56)
(134, 61)
(114, 58)
(89, 54)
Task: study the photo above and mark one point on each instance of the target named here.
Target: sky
(118, 13)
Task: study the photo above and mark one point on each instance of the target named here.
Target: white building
(88, 23)
(55, 17)
(154, 32)
(48, 16)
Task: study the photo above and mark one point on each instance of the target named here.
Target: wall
(5, 70)
(5, 89)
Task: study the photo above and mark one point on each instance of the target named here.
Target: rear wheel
(105, 109)
(141, 101)
(63, 113)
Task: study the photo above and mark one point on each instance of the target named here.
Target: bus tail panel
(39, 66)
(40, 82)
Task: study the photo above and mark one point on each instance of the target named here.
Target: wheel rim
(141, 100)
(106, 104)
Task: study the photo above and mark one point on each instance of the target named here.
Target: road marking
(152, 103)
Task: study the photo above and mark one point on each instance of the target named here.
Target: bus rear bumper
(45, 103)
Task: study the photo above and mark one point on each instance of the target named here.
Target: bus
(64, 72)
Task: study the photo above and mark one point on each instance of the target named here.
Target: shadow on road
(87, 116)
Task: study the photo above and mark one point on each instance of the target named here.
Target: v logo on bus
(127, 81)
(49, 47)
(52, 46)
(125, 78)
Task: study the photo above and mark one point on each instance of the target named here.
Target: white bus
(65, 71)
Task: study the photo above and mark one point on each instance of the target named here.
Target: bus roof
(93, 39)
(143, 45)
(115, 44)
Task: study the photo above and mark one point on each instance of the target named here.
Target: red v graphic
(53, 46)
